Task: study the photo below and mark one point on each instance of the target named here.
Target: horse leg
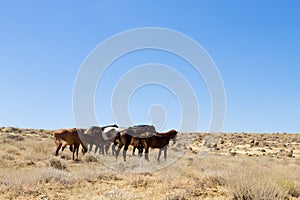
(107, 145)
(113, 149)
(165, 148)
(96, 148)
(77, 151)
(76, 148)
(133, 151)
(165, 152)
(90, 147)
(147, 153)
(71, 148)
(158, 157)
(140, 148)
(124, 152)
(102, 149)
(73, 152)
(118, 151)
(58, 148)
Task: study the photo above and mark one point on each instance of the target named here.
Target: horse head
(173, 135)
(84, 150)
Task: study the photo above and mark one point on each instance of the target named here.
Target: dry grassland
(200, 166)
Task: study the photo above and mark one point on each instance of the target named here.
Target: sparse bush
(216, 180)
(289, 186)
(175, 196)
(57, 163)
(7, 157)
(109, 175)
(86, 174)
(139, 181)
(17, 180)
(44, 135)
(13, 151)
(14, 137)
(41, 148)
(65, 155)
(22, 148)
(89, 158)
(53, 175)
(25, 182)
(254, 182)
(119, 195)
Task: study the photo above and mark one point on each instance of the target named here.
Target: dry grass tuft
(175, 196)
(41, 148)
(7, 157)
(53, 175)
(89, 158)
(14, 137)
(252, 181)
(139, 181)
(57, 163)
(118, 194)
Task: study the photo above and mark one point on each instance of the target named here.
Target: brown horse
(131, 136)
(64, 137)
(160, 141)
(125, 140)
(80, 131)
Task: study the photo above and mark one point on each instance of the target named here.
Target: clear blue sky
(255, 45)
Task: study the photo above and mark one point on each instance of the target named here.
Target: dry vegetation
(238, 166)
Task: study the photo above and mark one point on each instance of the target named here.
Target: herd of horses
(141, 137)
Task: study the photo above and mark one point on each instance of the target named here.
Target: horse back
(67, 136)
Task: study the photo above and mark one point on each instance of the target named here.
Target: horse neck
(169, 134)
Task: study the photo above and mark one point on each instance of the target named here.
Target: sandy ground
(199, 166)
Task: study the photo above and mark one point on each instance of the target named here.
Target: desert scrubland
(199, 166)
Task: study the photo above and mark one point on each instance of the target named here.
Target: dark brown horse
(132, 136)
(64, 137)
(160, 141)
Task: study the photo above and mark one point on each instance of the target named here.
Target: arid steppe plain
(199, 166)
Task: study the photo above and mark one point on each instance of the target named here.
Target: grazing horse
(94, 136)
(131, 136)
(160, 141)
(64, 137)
(110, 134)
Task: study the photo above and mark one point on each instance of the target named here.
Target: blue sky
(255, 45)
